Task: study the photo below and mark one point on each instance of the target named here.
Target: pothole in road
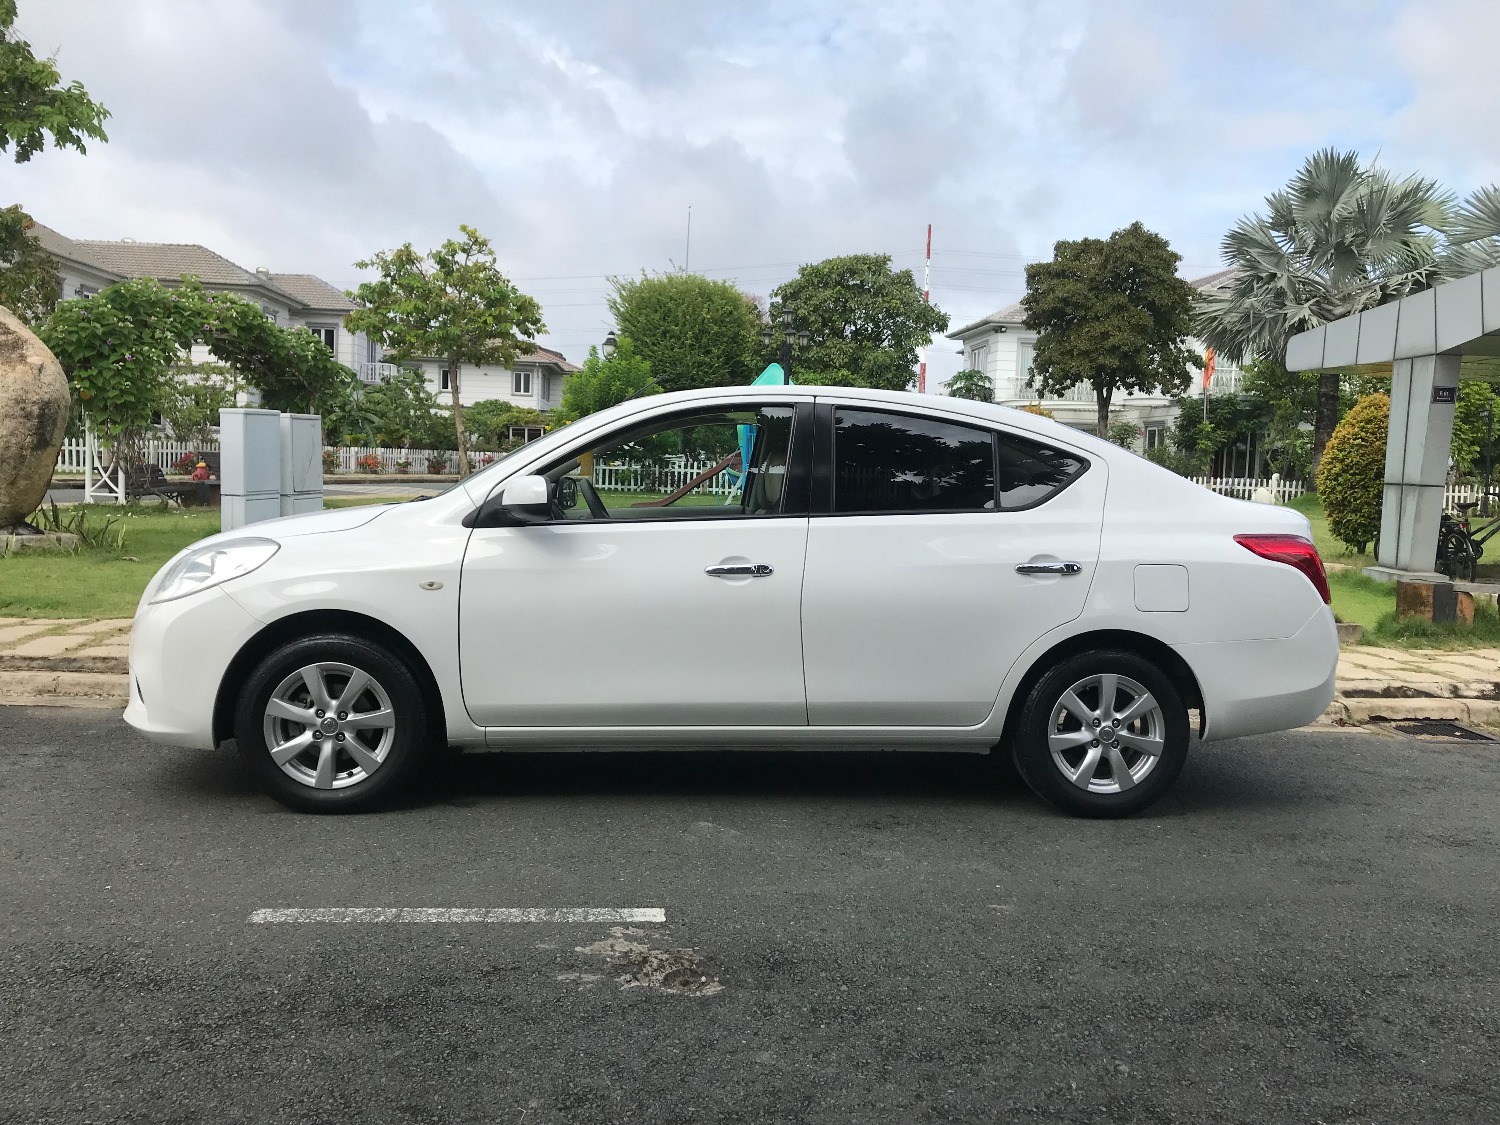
(679, 971)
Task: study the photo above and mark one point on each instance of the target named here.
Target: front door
(665, 592)
(913, 609)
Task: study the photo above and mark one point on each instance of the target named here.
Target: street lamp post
(610, 343)
(789, 336)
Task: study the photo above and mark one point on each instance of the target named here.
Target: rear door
(938, 550)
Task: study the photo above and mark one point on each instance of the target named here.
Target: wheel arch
(1147, 647)
(296, 625)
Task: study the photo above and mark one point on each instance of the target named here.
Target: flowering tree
(122, 346)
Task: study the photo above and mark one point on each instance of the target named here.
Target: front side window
(886, 463)
(326, 335)
(521, 382)
(444, 383)
(713, 465)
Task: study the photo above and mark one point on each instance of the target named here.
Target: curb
(72, 688)
(1356, 712)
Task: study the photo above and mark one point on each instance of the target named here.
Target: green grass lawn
(1330, 548)
(107, 581)
(101, 581)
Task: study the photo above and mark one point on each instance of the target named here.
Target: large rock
(33, 419)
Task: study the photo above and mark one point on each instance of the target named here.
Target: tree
(1123, 433)
(400, 409)
(1474, 423)
(865, 321)
(1351, 473)
(34, 104)
(601, 383)
(120, 346)
(694, 332)
(1111, 313)
(972, 384)
(29, 282)
(452, 304)
(1338, 239)
(490, 422)
(192, 395)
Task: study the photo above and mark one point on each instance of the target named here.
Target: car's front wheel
(331, 723)
(1102, 734)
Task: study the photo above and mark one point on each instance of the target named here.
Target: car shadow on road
(850, 774)
(1214, 781)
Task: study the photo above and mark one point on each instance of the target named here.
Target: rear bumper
(178, 654)
(1255, 687)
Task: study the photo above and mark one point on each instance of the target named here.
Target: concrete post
(1423, 393)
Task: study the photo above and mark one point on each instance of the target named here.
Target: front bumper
(1256, 687)
(179, 652)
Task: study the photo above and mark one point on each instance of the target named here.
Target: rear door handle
(738, 570)
(1049, 568)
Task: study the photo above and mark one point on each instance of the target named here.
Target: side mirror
(526, 500)
(521, 500)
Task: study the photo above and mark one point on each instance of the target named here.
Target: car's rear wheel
(332, 723)
(1102, 734)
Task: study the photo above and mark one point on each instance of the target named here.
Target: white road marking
(462, 914)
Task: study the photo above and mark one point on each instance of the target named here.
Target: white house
(534, 381)
(1001, 346)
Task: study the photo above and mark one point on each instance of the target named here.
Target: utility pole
(926, 296)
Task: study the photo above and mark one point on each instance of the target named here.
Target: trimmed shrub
(1351, 475)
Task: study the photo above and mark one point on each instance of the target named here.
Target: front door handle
(1049, 568)
(738, 570)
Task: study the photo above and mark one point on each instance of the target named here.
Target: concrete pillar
(1423, 393)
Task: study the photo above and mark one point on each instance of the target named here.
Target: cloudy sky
(303, 134)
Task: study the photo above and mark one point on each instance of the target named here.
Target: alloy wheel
(329, 725)
(1106, 733)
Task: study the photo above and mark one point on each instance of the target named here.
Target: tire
(1054, 755)
(343, 765)
(1456, 557)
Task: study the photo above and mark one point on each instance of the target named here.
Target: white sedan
(774, 567)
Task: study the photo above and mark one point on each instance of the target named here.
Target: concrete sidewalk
(82, 660)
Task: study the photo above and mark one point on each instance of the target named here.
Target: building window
(372, 351)
(978, 357)
(520, 382)
(327, 336)
(526, 433)
(270, 314)
(444, 383)
(1156, 435)
(1024, 353)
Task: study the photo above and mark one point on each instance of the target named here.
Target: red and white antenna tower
(926, 291)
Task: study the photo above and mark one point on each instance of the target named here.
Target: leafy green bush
(1352, 472)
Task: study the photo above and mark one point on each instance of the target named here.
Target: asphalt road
(1307, 930)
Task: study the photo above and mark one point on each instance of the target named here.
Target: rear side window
(1031, 471)
(886, 462)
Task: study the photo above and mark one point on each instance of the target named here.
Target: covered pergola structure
(1426, 343)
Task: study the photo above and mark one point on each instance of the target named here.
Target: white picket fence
(390, 459)
(1244, 488)
(164, 453)
(630, 476)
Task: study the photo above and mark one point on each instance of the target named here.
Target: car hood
(312, 523)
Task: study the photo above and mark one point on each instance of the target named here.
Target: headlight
(208, 566)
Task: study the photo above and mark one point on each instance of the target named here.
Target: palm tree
(1474, 234)
(1336, 240)
(971, 384)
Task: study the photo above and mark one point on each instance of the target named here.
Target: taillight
(1294, 551)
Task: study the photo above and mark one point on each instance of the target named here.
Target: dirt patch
(679, 971)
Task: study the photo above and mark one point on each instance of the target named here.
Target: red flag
(1208, 367)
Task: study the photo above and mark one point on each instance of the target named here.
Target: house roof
(312, 291)
(167, 261)
(1015, 314)
(547, 355)
(61, 246)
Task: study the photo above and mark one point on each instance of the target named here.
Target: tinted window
(897, 463)
(1031, 471)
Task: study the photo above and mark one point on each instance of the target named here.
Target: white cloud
(577, 133)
